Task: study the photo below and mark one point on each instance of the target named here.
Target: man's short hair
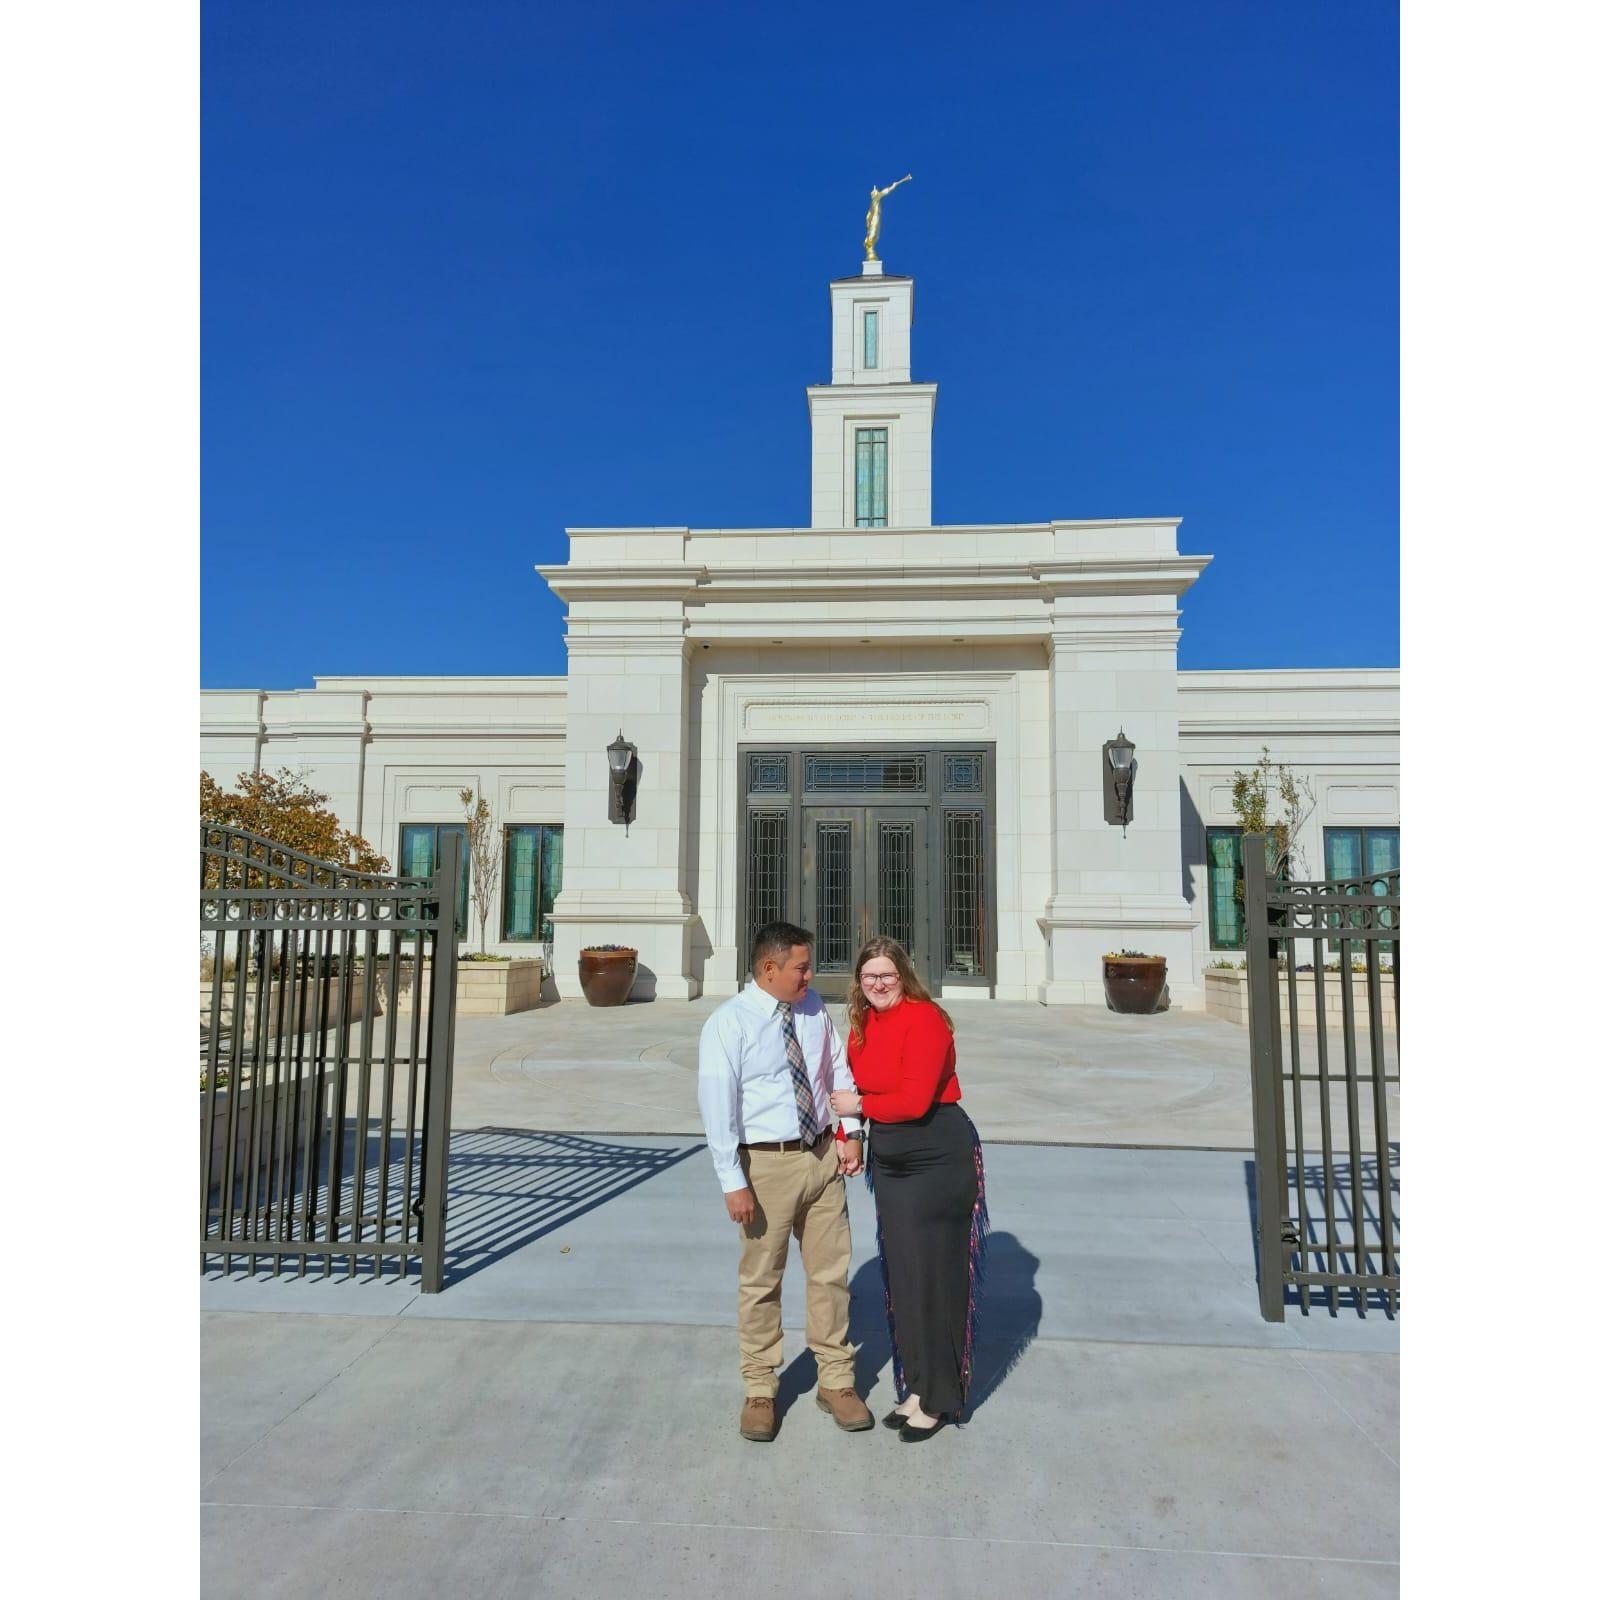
(774, 941)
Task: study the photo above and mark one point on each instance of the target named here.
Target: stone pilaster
(1109, 891)
(627, 885)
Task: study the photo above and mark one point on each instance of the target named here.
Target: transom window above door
(853, 774)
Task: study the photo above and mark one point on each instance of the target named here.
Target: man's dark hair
(775, 940)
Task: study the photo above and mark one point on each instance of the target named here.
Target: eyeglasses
(880, 980)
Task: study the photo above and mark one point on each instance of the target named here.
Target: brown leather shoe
(759, 1419)
(846, 1408)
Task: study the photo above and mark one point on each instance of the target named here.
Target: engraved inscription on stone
(964, 716)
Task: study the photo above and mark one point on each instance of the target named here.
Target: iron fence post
(1262, 969)
(436, 1091)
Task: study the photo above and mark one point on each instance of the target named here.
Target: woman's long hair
(911, 986)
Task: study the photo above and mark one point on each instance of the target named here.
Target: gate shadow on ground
(509, 1187)
(1333, 1192)
(1009, 1309)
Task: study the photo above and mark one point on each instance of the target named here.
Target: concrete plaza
(1062, 1075)
(561, 1420)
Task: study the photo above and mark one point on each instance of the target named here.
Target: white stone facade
(1037, 641)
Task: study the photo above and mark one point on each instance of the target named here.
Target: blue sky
(473, 273)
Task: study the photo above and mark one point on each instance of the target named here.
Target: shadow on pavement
(1331, 1195)
(1009, 1309)
(509, 1187)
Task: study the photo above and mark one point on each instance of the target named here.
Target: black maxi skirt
(927, 1180)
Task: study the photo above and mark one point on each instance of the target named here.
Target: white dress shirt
(746, 1087)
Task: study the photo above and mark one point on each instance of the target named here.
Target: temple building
(874, 724)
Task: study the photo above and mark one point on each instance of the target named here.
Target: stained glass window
(767, 868)
(869, 339)
(1361, 852)
(532, 881)
(872, 477)
(1364, 853)
(965, 900)
(419, 855)
(1224, 873)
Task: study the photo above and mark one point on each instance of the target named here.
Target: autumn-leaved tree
(483, 849)
(283, 807)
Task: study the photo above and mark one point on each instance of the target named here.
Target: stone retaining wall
(1228, 997)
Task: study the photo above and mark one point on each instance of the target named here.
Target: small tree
(283, 807)
(1253, 804)
(483, 848)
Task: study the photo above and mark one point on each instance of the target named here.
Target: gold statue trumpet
(875, 215)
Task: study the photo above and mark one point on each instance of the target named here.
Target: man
(769, 1058)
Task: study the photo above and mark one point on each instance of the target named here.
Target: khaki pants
(798, 1192)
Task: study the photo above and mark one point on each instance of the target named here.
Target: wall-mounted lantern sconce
(623, 760)
(1119, 770)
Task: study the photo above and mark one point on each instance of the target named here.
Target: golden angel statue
(875, 215)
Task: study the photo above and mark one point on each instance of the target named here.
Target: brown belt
(790, 1145)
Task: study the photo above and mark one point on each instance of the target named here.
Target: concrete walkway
(561, 1420)
(1068, 1075)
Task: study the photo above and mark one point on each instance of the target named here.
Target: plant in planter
(1135, 982)
(606, 973)
(484, 854)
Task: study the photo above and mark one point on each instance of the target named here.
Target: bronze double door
(864, 872)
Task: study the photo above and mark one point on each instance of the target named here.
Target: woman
(925, 1166)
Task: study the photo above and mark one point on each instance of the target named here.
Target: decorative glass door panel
(831, 877)
(864, 873)
(853, 840)
(897, 868)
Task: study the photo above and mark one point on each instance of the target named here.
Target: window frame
(541, 922)
(1365, 832)
(463, 888)
(871, 338)
(1215, 943)
(858, 431)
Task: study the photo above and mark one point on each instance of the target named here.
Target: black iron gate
(1323, 969)
(327, 1030)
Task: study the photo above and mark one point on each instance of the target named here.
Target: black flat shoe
(910, 1435)
(895, 1419)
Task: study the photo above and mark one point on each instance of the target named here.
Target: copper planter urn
(606, 974)
(1135, 983)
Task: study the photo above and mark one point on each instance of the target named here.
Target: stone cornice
(498, 731)
(1046, 578)
(602, 643)
(1288, 680)
(1089, 637)
(632, 580)
(1172, 574)
(853, 396)
(1308, 725)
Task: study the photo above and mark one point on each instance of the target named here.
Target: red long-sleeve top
(906, 1064)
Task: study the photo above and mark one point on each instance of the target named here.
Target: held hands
(850, 1157)
(845, 1103)
(741, 1205)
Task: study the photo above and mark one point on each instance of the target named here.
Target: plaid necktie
(797, 1070)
